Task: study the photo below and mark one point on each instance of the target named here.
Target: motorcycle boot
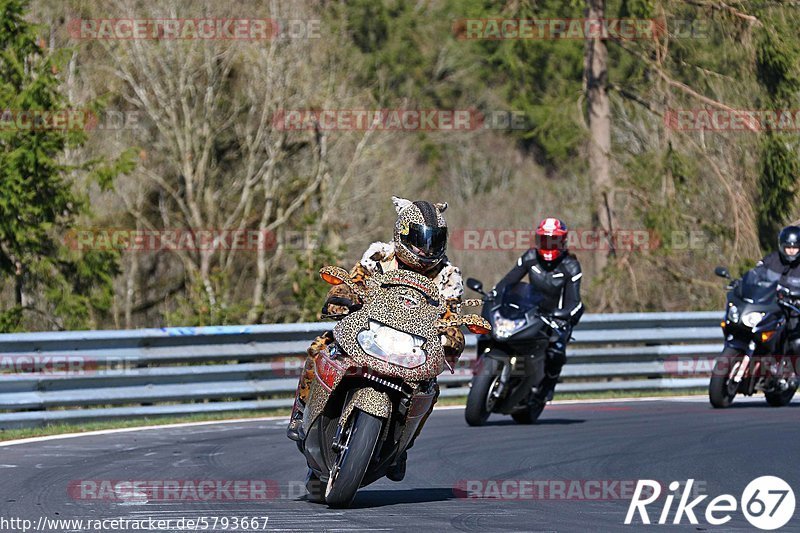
(295, 429)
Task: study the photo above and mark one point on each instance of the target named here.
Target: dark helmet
(420, 233)
(551, 239)
(789, 237)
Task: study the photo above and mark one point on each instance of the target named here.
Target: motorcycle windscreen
(518, 300)
(758, 286)
(516, 314)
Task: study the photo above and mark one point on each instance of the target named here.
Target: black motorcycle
(511, 359)
(756, 341)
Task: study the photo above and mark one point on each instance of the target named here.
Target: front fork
(505, 373)
(738, 372)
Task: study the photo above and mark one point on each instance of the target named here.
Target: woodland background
(203, 152)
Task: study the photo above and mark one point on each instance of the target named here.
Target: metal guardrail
(78, 376)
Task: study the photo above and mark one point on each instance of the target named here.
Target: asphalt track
(663, 440)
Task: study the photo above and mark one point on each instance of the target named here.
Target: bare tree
(216, 160)
(599, 122)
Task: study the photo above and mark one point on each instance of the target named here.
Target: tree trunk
(599, 122)
(19, 285)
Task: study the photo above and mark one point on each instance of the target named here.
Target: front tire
(352, 463)
(479, 402)
(721, 390)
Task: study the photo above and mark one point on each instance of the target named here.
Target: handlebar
(790, 305)
(343, 302)
(550, 322)
(733, 284)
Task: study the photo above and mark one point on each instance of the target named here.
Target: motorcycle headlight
(751, 320)
(733, 313)
(505, 327)
(393, 346)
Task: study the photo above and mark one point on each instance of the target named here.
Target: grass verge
(59, 429)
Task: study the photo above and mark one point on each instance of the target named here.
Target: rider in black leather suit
(783, 266)
(556, 274)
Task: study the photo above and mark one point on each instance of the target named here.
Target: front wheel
(355, 449)
(722, 389)
(481, 400)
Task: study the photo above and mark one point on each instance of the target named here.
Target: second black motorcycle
(511, 359)
(760, 352)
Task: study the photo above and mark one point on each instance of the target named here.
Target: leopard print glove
(453, 340)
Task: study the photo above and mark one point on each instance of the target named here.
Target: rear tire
(478, 403)
(719, 388)
(780, 399)
(365, 431)
(529, 415)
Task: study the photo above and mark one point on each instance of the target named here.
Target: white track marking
(692, 398)
(139, 428)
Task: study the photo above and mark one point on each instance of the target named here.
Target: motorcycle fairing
(755, 292)
(403, 307)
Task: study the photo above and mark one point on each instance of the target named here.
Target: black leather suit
(559, 282)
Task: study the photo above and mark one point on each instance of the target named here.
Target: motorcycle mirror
(333, 274)
(478, 330)
(475, 285)
(476, 324)
(722, 272)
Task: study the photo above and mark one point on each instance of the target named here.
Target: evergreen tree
(52, 284)
(777, 58)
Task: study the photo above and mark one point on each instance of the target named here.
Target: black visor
(426, 242)
(551, 242)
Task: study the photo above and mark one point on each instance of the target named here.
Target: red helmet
(551, 239)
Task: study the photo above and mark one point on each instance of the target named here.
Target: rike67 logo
(767, 503)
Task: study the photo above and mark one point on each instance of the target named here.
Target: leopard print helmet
(420, 233)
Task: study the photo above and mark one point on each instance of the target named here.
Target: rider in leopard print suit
(419, 244)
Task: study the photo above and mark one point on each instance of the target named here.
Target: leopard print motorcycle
(374, 385)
